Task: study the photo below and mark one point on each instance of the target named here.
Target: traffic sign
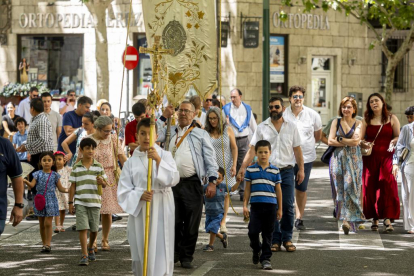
(131, 58)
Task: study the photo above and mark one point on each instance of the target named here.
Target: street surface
(321, 249)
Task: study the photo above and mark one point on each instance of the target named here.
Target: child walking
(87, 180)
(63, 198)
(46, 180)
(265, 195)
(215, 211)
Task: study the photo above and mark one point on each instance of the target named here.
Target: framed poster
(278, 65)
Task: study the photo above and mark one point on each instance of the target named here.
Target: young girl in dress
(63, 198)
(47, 174)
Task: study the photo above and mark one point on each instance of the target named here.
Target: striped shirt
(86, 193)
(263, 183)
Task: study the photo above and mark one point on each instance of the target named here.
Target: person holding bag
(108, 152)
(346, 166)
(380, 129)
(404, 160)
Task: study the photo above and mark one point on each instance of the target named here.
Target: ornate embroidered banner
(189, 28)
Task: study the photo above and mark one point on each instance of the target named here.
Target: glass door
(322, 87)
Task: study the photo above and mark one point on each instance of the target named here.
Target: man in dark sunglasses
(309, 124)
(285, 140)
(207, 103)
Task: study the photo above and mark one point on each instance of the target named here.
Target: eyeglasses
(106, 131)
(212, 119)
(347, 107)
(186, 111)
(209, 100)
(274, 106)
(300, 97)
(35, 96)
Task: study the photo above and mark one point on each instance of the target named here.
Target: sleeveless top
(383, 140)
(341, 132)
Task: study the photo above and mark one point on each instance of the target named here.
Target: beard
(276, 115)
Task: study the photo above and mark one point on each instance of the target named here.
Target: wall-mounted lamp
(302, 60)
(351, 61)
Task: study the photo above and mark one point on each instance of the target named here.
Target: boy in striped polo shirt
(265, 195)
(87, 178)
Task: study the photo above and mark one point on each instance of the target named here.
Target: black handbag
(326, 156)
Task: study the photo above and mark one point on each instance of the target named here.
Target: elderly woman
(216, 132)
(108, 152)
(380, 129)
(87, 129)
(406, 143)
(9, 128)
(346, 165)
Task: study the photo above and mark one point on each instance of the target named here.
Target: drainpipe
(266, 61)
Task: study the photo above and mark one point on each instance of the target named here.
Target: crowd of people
(90, 164)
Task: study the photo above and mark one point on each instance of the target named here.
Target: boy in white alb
(133, 195)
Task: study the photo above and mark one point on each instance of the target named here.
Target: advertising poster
(277, 59)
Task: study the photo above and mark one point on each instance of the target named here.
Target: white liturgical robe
(132, 184)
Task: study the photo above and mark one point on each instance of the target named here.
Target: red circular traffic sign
(131, 58)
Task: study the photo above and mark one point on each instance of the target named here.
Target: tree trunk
(389, 79)
(98, 11)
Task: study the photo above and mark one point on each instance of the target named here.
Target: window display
(55, 61)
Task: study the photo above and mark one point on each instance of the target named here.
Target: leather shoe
(115, 217)
(187, 265)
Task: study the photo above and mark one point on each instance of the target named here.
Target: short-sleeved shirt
(56, 121)
(130, 130)
(69, 119)
(18, 140)
(69, 107)
(308, 122)
(263, 183)
(86, 192)
(215, 205)
(9, 166)
(282, 142)
(10, 124)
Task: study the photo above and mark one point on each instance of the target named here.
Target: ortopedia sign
(131, 58)
(302, 21)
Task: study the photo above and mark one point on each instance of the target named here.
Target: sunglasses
(209, 100)
(300, 97)
(274, 106)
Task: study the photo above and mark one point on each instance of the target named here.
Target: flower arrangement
(22, 90)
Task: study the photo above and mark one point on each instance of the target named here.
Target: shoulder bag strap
(377, 134)
(185, 135)
(115, 155)
(50, 174)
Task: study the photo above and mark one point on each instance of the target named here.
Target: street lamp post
(266, 60)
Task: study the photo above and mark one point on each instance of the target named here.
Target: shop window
(144, 68)
(56, 61)
(402, 71)
(279, 65)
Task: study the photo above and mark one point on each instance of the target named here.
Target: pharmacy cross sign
(131, 58)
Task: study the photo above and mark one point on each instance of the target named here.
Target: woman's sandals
(387, 226)
(374, 226)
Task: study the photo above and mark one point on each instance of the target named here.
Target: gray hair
(102, 122)
(208, 127)
(190, 103)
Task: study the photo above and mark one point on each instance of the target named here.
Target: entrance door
(322, 87)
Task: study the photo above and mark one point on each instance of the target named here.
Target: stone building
(325, 52)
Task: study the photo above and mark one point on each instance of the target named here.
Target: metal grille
(401, 78)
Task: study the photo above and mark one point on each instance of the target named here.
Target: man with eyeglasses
(240, 118)
(285, 140)
(24, 105)
(309, 124)
(69, 104)
(189, 141)
(207, 103)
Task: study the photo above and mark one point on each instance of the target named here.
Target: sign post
(130, 59)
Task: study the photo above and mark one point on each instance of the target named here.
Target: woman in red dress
(380, 191)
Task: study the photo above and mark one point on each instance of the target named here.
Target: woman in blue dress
(346, 165)
(46, 181)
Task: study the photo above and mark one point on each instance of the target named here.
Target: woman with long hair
(380, 131)
(9, 127)
(24, 68)
(215, 130)
(346, 165)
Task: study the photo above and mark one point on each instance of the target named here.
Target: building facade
(325, 52)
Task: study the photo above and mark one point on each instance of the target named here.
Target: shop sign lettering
(74, 20)
(302, 21)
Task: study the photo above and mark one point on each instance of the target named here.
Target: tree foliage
(391, 15)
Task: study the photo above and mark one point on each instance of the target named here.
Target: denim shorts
(303, 187)
(213, 223)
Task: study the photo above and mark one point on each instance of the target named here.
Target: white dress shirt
(308, 122)
(24, 110)
(183, 157)
(282, 142)
(202, 119)
(239, 114)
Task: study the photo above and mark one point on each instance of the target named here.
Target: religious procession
(226, 137)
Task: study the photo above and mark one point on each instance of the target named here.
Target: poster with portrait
(277, 59)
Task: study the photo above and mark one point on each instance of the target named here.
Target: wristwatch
(70, 202)
(339, 139)
(20, 205)
(214, 182)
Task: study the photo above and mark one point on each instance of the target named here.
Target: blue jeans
(284, 229)
(2, 224)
